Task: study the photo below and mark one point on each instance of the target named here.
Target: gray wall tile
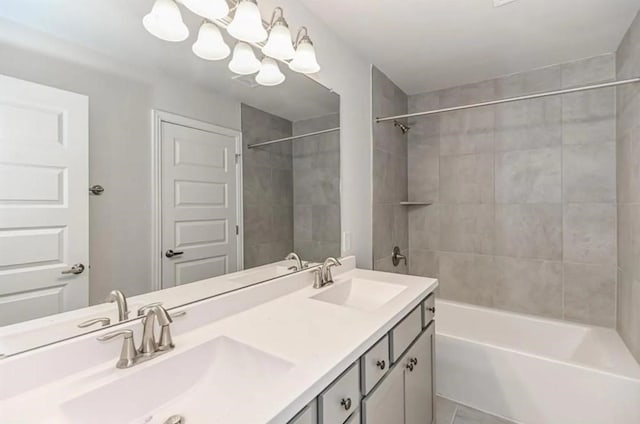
(589, 173)
(423, 263)
(590, 233)
(467, 228)
(589, 71)
(590, 293)
(466, 179)
(467, 277)
(529, 286)
(529, 231)
(589, 117)
(530, 176)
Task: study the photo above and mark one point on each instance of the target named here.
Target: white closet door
(199, 204)
(44, 211)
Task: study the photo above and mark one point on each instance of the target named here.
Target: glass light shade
(210, 44)
(165, 21)
(305, 60)
(270, 73)
(244, 61)
(279, 45)
(247, 23)
(210, 9)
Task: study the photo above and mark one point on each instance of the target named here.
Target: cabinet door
(418, 379)
(385, 404)
(308, 415)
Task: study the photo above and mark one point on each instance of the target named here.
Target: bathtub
(532, 370)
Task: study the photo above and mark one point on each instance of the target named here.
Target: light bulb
(210, 9)
(279, 44)
(244, 61)
(270, 73)
(210, 44)
(165, 21)
(305, 59)
(247, 23)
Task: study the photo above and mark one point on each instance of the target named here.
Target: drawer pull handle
(432, 309)
(346, 403)
(381, 364)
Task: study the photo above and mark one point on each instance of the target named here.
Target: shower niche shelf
(415, 203)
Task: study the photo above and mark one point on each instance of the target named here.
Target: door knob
(171, 253)
(76, 269)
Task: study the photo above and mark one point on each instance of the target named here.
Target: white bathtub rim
(510, 420)
(540, 357)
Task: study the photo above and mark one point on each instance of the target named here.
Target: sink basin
(357, 293)
(203, 384)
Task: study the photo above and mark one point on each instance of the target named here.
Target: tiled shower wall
(390, 220)
(316, 189)
(268, 188)
(524, 194)
(628, 147)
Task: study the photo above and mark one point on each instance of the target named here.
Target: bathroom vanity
(358, 350)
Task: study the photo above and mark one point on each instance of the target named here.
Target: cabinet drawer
(308, 415)
(428, 310)
(341, 398)
(404, 333)
(355, 418)
(374, 365)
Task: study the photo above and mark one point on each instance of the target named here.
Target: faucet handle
(90, 322)
(128, 354)
(317, 278)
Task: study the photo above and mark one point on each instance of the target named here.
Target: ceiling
(425, 45)
(112, 30)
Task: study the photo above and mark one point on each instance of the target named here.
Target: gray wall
(524, 194)
(628, 148)
(390, 219)
(120, 155)
(268, 188)
(316, 189)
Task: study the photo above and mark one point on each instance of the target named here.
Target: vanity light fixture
(270, 73)
(165, 21)
(247, 23)
(279, 45)
(208, 9)
(244, 61)
(210, 44)
(273, 38)
(304, 60)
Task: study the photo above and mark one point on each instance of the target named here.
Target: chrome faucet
(323, 275)
(150, 347)
(293, 256)
(121, 300)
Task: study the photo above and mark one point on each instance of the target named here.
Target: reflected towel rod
(295, 137)
(511, 99)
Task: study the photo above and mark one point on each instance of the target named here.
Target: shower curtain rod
(295, 137)
(512, 99)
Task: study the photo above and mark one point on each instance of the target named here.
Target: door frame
(157, 118)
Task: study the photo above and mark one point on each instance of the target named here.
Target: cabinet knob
(432, 309)
(346, 403)
(381, 364)
(414, 361)
(409, 366)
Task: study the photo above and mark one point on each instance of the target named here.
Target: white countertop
(320, 340)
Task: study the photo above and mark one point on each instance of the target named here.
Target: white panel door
(199, 204)
(44, 211)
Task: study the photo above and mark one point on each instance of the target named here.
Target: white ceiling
(113, 29)
(425, 45)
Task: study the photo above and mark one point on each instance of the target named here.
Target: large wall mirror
(130, 166)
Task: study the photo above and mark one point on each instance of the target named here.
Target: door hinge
(237, 230)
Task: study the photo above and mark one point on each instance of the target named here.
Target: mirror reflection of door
(44, 227)
(200, 202)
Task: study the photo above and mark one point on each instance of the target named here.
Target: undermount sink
(357, 293)
(203, 384)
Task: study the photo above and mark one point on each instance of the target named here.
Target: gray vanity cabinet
(418, 379)
(385, 404)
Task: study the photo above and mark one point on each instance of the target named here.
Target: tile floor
(449, 412)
